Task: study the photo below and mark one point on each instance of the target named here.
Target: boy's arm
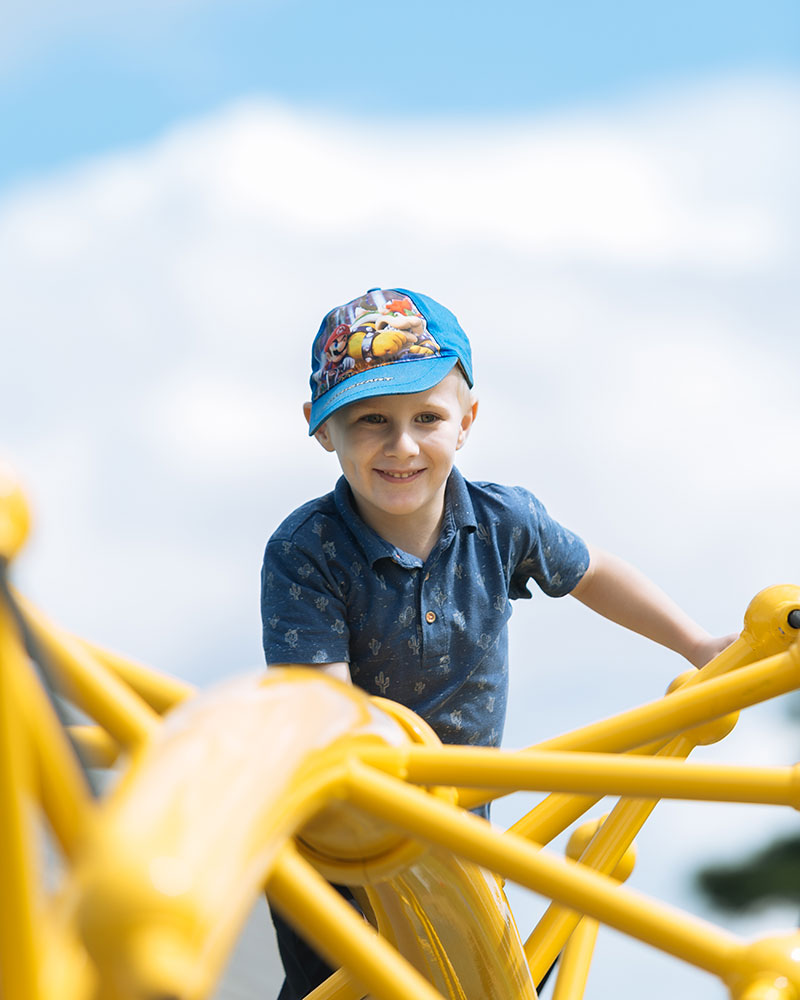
(341, 671)
(617, 591)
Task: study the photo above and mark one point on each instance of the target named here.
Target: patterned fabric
(431, 635)
(379, 328)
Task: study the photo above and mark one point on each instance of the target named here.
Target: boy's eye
(428, 418)
(372, 418)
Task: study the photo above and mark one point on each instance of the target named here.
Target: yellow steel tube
(578, 771)
(552, 816)
(602, 854)
(557, 811)
(410, 809)
(576, 962)
(683, 709)
(20, 930)
(96, 747)
(106, 698)
(319, 912)
(160, 691)
(339, 986)
(64, 790)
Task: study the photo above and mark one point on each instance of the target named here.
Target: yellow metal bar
(20, 930)
(576, 961)
(339, 986)
(343, 938)
(160, 691)
(552, 816)
(602, 854)
(96, 747)
(64, 790)
(107, 699)
(575, 886)
(615, 837)
(683, 709)
(558, 811)
(578, 771)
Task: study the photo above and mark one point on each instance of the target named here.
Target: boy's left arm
(619, 592)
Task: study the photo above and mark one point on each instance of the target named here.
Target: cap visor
(396, 378)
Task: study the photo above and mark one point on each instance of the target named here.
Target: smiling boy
(400, 580)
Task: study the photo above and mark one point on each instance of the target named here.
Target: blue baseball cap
(387, 341)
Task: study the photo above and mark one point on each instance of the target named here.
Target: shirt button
(430, 617)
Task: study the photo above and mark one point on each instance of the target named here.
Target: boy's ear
(466, 422)
(321, 433)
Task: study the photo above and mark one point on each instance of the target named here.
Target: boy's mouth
(399, 476)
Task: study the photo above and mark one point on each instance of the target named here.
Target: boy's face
(396, 452)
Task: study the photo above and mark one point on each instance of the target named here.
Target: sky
(87, 78)
(608, 202)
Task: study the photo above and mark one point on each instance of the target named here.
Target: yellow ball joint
(581, 838)
(766, 969)
(772, 619)
(15, 517)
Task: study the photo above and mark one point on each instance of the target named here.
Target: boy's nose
(402, 444)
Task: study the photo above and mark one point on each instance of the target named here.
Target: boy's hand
(710, 647)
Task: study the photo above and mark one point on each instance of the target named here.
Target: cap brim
(396, 378)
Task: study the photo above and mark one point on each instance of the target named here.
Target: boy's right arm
(341, 671)
(304, 618)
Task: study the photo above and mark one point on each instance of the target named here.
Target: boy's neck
(416, 534)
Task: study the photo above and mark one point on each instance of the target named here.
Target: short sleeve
(551, 555)
(303, 614)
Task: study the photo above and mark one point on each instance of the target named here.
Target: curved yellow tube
(155, 882)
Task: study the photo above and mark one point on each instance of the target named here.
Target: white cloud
(626, 277)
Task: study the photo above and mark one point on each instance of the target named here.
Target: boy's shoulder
(307, 520)
(501, 501)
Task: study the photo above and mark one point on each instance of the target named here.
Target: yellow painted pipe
(572, 884)
(577, 771)
(576, 962)
(602, 854)
(160, 691)
(102, 695)
(690, 706)
(339, 986)
(64, 790)
(331, 924)
(96, 747)
(164, 884)
(20, 927)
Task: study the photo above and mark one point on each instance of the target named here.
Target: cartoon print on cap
(373, 330)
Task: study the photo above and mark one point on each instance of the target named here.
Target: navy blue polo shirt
(432, 635)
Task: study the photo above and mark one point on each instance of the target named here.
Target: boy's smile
(396, 453)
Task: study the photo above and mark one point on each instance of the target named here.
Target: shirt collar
(458, 502)
(458, 513)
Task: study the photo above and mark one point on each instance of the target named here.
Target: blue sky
(86, 79)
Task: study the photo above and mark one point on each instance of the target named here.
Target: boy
(399, 581)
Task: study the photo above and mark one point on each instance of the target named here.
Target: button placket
(434, 635)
